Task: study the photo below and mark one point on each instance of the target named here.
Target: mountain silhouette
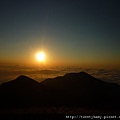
(86, 89)
(24, 92)
(81, 83)
(72, 89)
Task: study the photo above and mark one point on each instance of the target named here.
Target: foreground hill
(72, 89)
(24, 92)
(85, 89)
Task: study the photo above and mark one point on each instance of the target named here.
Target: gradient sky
(84, 32)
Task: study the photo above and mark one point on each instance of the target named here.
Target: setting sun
(40, 56)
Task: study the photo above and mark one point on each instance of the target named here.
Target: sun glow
(40, 56)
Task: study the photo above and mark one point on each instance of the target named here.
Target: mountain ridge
(72, 89)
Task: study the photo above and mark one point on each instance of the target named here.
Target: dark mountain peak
(74, 82)
(80, 74)
(21, 81)
(84, 73)
(79, 77)
(24, 79)
(70, 89)
(71, 78)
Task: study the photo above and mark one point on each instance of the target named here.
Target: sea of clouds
(8, 73)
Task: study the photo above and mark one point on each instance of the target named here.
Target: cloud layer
(9, 73)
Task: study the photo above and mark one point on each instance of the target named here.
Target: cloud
(9, 73)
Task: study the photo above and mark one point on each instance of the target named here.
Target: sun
(40, 56)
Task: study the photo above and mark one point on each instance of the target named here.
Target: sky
(70, 32)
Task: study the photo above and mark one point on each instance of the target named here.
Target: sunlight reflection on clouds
(9, 73)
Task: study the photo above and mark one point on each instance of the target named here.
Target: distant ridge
(23, 92)
(71, 81)
(20, 83)
(86, 89)
(22, 79)
(72, 89)
(79, 73)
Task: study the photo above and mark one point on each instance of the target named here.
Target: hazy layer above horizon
(8, 73)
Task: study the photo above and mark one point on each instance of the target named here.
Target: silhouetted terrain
(70, 90)
(86, 90)
(25, 92)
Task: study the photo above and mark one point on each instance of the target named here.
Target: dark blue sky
(69, 31)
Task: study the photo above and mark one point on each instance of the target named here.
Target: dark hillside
(72, 89)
